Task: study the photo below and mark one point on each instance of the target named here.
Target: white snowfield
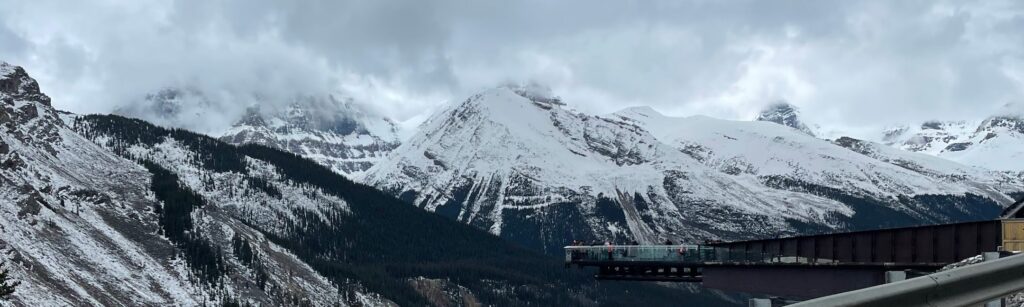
(509, 151)
(996, 143)
(77, 225)
(767, 149)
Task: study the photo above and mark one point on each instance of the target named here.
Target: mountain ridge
(542, 174)
(338, 134)
(109, 210)
(996, 143)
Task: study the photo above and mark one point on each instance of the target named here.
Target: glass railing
(679, 253)
(675, 253)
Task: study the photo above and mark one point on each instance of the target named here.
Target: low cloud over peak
(858, 66)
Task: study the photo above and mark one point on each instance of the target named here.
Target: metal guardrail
(964, 286)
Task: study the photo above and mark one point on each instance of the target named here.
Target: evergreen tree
(6, 284)
(375, 240)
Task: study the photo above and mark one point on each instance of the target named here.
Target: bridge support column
(759, 302)
(990, 256)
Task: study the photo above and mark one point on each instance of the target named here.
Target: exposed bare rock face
(784, 114)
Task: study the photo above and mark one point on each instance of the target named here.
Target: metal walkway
(800, 267)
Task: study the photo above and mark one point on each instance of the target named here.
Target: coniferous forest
(381, 242)
(175, 214)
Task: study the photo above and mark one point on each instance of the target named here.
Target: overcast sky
(849, 65)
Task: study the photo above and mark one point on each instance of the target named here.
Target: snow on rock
(531, 170)
(238, 206)
(332, 130)
(1015, 299)
(337, 134)
(441, 292)
(996, 143)
(18, 88)
(78, 226)
(935, 167)
(931, 137)
(784, 114)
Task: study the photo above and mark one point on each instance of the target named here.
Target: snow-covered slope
(774, 154)
(71, 236)
(337, 134)
(355, 236)
(996, 143)
(531, 170)
(54, 229)
(762, 149)
(108, 210)
(79, 226)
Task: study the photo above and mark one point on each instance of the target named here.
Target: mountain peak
(535, 92)
(1011, 123)
(252, 117)
(932, 125)
(645, 111)
(1010, 117)
(171, 101)
(507, 104)
(15, 82)
(332, 130)
(785, 114)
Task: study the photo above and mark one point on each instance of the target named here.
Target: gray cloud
(850, 65)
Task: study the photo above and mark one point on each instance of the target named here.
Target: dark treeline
(175, 219)
(384, 241)
(870, 213)
(249, 257)
(124, 132)
(263, 185)
(379, 241)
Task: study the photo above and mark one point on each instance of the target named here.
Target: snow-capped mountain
(932, 137)
(531, 170)
(71, 212)
(996, 143)
(188, 108)
(108, 210)
(773, 154)
(785, 114)
(81, 225)
(337, 134)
